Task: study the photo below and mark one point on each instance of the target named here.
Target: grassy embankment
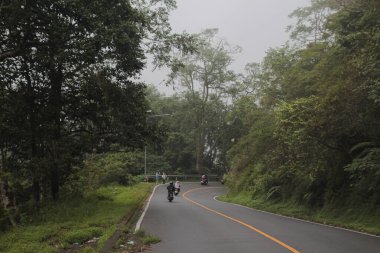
(59, 225)
(357, 219)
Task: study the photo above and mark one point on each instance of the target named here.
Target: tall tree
(311, 23)
(66, 70)
(201, 74)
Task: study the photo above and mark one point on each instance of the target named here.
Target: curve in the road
(238, 221)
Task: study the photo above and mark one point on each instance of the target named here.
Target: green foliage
(121, 168)
(179, 146)
(256, 143)
(311, 22)
(68, 89)
(365, 175)
(113, 168)
(57, 225)
(361, 219)
(205, 76)
(357, 27)
(146, 239)
(179, 151)
(313, 139)
(82, 235)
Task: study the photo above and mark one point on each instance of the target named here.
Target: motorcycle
(170, 196)
(204, 180)
(176, 191)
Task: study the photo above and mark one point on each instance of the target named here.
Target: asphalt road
(196, 222)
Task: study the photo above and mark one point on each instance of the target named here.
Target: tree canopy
(68, 89)
(314, 136)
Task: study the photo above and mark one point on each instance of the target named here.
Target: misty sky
(255, 25)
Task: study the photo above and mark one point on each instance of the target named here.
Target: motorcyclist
(204, 179)
(177, 186)
(170, 188)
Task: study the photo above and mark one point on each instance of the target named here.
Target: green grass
(359, 219)
(58, 225)
(147, 239)
(82, 235)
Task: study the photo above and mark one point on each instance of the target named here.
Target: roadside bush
(365, 176)
(111, 168)
(104, 169)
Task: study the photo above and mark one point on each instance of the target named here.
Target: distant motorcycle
(176, 191)
(204, 180)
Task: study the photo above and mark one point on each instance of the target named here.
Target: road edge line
(138, 224)
(298, 219)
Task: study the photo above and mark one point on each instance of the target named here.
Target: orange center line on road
(239, 221)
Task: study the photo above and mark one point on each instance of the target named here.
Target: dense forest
(313, 133)
(69, 95)
(302, 125)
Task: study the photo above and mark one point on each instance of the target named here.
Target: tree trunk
(200, 143)
(4, 199)
(55, 182)
(32, 122)
(199, 153)
(56, 78)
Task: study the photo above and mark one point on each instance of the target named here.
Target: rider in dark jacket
(170, 188)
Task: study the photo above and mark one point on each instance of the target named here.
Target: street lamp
(146, 121)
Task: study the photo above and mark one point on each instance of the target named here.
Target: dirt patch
(129, 243)
(76, 246)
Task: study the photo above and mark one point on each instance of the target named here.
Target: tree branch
(9, 54)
